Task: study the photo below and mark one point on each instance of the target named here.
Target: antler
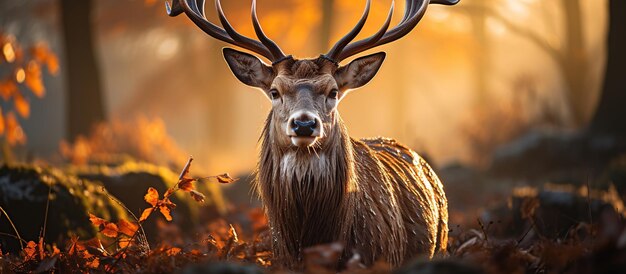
(414, 12)
(194, 9)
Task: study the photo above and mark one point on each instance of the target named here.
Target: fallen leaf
(93, 263)
(173, 251)
(30, 249)
(42, 254)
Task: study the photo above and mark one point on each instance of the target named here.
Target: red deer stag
(318, 185)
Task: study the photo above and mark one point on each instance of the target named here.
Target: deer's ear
(248, 68)
(359, 72)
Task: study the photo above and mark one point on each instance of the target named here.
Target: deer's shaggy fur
(376, 196)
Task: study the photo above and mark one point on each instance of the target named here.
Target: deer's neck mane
(306, 193)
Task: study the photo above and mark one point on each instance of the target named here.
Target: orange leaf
(93, 263)
(173, 251)
(152, 196)
(199, 197)
(166, 213)
(7, 89)
(21, 105)
(225, 178)
(34, 79)
(14, 132)
(186, 184)
(30, 249)
(110, 230)
(145, 214)
(55, 250)
(1, 122)
(40, 248)
(96, 220)
(123, 243)
(127, 228)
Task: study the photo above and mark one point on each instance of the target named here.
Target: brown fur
(376, 196)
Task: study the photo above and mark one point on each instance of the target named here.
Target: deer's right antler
(194, 9)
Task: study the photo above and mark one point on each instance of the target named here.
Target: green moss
(24, 194)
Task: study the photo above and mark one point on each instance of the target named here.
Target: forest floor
(505, 226)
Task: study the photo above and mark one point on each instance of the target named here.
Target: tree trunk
(327, 25)
(85, 105)
(610, 114)
(574, 65)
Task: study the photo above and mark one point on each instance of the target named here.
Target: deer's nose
(304, 128)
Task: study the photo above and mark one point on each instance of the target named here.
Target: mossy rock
(129, 182)
(24, 195)
(551, 211)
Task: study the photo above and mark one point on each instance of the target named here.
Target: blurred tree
(571, 57)
(84, 92)
(326, 24)
(611, 111)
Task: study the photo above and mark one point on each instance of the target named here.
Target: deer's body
(377, 197)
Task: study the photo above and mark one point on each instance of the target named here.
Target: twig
(14, 229)
(145, 238)
(42, 234)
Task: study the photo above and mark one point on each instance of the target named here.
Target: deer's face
(304, 93)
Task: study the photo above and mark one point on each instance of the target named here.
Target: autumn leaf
(14, 132)
(225, 178)
(186, 184)
(95, 220)
(199, 197)
(21, 105)
(166, 212)
(7, 89)
(30, 249)
(1, 122)
(34, 79)
(55, 250)
(123, 243)
(93, 263)
(110, 230)
(40, 248)
(173, 251)
(127, 228)
(152, 196)
(145, 214)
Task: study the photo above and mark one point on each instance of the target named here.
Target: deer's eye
(333, 94)
(274, 94)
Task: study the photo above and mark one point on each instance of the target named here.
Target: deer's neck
(307, 193)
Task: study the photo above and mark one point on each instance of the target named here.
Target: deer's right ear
(249, 69)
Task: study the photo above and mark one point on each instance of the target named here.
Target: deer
(375, 196)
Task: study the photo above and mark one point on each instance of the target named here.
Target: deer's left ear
(248, 68)
(359, 72)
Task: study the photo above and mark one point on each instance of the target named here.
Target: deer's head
(304, 93)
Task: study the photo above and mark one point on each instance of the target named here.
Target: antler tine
(269, 44)
(372, 39)
(415, 10)
(228, 35)
(236, 36)
(341, 44)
